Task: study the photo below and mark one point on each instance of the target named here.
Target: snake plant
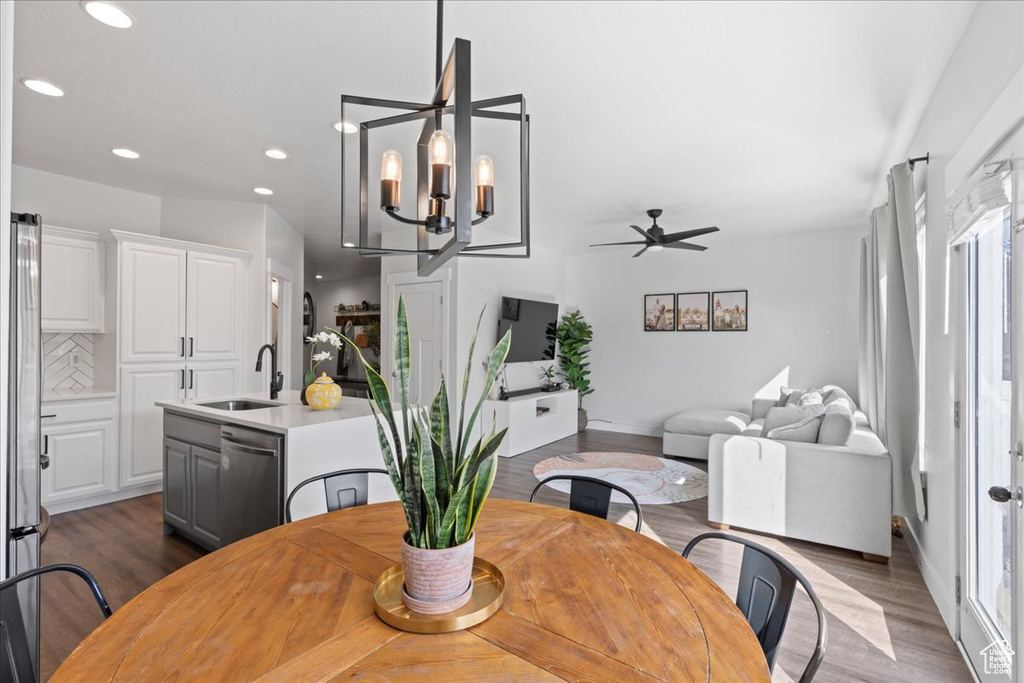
(442, 476)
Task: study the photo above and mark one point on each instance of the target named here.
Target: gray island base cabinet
(216, 488)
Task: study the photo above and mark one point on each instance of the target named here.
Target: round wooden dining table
(585, 599)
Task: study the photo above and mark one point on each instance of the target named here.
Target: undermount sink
(239, 404)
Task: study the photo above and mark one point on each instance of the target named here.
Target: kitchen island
(228, 473)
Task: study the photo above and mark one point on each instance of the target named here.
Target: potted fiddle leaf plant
(441, 474)
(574, 335)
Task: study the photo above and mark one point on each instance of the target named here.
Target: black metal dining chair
(343, 489)
(16, 662)
(591, 496)
(765, 594)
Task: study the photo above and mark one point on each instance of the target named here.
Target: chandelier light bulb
(483, 178)
(440, 148)
(390, 180)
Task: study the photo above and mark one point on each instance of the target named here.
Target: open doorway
(282, 330)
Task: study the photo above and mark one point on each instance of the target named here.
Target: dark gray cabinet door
(176, 483)
(204, 497)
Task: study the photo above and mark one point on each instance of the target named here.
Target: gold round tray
(488, 589)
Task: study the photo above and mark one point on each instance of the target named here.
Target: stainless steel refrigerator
(24, 390)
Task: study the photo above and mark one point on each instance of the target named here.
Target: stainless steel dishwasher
(251, 466)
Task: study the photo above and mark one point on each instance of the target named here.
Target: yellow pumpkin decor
(323, 393)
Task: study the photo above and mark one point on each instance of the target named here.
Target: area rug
(654, 481)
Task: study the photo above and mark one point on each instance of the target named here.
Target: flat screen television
(533, 326)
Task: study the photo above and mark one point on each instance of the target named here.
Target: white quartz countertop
(287, 414)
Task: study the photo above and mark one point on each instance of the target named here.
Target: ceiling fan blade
(640, 252)
(684, 245)
(615, 244)
(641, 231)
(687, 234)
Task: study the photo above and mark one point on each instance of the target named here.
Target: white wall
(6, 96)
(73, 203)
(989, 54)
(235, 225)
(286, 246)
(802, 310)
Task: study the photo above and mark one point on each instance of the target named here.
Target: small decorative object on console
(323, 393)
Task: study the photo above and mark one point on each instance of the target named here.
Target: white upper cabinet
(213, 380)
(215, 307)
(152, 303)
(72, 281)
(180, 301)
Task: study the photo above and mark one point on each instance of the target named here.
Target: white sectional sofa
(835, 495)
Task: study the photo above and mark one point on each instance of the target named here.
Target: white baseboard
(943, 599)
(623, 428)
(92, 501)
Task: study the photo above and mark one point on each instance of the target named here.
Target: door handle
(182, 347)
(44, 461)
(46, 446)
(191, 378)
(246, 448)
(183, 378)
(191, 346)
(1001, 494)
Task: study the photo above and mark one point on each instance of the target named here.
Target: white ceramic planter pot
(437, 581)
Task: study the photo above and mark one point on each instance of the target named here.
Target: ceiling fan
(655, 238)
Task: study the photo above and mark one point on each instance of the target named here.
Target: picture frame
(729, 311)
(659, 312)
(693, 312)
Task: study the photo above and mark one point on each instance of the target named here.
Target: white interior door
(423, 306)
(992, 589)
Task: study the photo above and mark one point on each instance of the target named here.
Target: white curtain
(871, 361)
(890, 337)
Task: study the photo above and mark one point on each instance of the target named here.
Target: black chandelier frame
(452, 97)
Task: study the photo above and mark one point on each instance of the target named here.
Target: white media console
(532, 420)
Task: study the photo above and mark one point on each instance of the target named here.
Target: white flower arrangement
(318, 357)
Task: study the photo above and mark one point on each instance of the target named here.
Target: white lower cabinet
(142, 421)
(80, 441)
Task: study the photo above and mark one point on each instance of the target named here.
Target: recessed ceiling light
(106, 13)
(276, 153)
(262, 190)
(125, 153)
(346, 127)
(349, 244)
(319, 276)
(42, 87)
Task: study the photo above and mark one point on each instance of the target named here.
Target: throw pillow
(811, 397)
(784, 393)
(805, 431)
(837, 426)
(837, 395)
(780, 417)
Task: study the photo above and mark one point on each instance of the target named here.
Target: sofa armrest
(815, 492)
(759, 407)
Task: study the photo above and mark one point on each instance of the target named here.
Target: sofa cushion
(835, 394)
(806, 430)
(707, 422)
(837, 424)
(780, 417)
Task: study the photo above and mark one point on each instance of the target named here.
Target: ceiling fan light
(655, 247)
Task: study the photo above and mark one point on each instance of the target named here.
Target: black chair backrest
(765, 594)
(591, 496)
(342, 489)
(17, 663)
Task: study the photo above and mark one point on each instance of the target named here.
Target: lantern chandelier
(448, 201)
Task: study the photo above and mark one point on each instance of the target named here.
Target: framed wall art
(729, 311)
(692, 311)
(659, 312)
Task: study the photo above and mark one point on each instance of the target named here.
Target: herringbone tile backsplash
(60, 353)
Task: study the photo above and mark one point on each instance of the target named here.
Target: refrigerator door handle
(22, 531)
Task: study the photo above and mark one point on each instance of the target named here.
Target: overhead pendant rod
(440, 37)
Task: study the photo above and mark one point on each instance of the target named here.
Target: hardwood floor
(883, 625)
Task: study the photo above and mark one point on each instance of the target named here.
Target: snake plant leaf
(483, 450)
(402, 363)
(447, 532)
(389, 464)
(481, 489)
(440, 434)
(460, 445)
(494, 363)
(428, 481)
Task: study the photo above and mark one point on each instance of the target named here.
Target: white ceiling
(756, 117)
